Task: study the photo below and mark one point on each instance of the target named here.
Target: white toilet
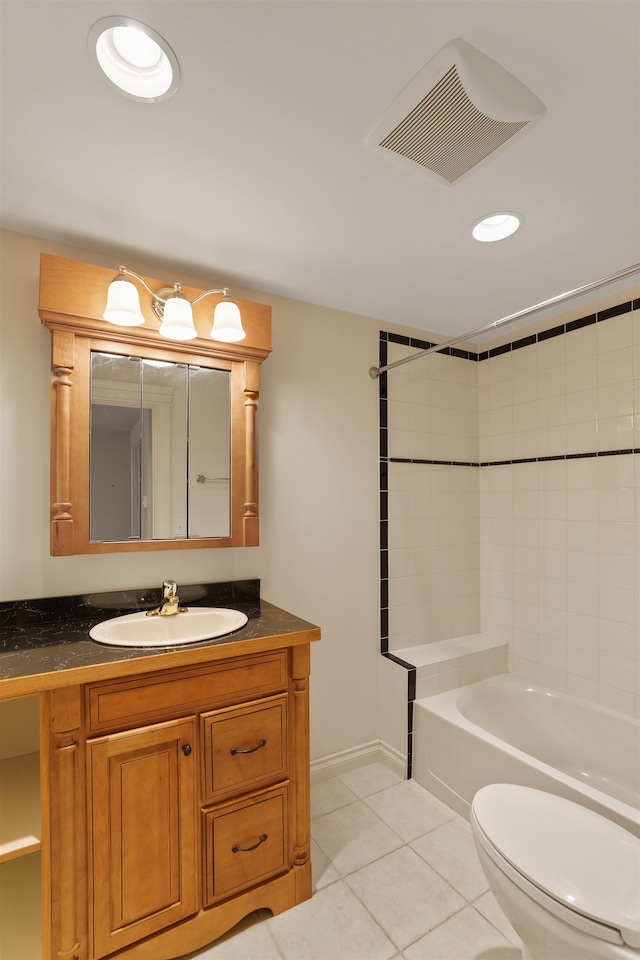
(567, 879)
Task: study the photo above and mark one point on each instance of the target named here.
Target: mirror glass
(159, 450)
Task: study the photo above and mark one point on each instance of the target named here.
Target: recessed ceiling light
(136, 59)
(497, 226)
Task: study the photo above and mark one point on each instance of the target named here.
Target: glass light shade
(177, 320)
(227, 323)
(497, 226)
(123, 303)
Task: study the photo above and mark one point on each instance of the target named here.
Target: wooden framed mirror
(154, 442)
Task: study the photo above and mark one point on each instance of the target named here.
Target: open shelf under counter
(20, 915)
(19, 806)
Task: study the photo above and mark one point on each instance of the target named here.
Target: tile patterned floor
(396, 877)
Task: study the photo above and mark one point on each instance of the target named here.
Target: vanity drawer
(244, 746)
(245, 843)
(118, 704)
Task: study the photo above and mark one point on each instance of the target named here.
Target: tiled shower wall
(514, 502)
(434, 531)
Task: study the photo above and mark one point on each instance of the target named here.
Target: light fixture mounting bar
(223, 290)
(163, 293)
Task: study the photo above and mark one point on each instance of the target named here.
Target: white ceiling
(257, 172)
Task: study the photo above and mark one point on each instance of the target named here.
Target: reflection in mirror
(155, 427)
(209, 465)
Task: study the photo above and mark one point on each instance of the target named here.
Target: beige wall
(319, 487)
(319, 553)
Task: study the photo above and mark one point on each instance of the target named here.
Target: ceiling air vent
(456, 111)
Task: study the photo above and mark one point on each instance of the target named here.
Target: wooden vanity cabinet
(192, 789)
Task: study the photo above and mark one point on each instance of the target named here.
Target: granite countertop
(45, 643)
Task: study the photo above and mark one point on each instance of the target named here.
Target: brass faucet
(170, 605)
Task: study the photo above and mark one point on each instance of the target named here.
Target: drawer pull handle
(236, 849)
(186, 749)
(261, 743)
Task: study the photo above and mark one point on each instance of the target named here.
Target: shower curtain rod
(374, 372)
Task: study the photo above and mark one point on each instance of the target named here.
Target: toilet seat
(582, 867)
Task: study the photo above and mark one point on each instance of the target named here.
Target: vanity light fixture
(134, 58)
(497, 226)
(172, 308)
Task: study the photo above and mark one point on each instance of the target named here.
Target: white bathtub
(505, 730)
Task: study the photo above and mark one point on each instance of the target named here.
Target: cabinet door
(142, 832)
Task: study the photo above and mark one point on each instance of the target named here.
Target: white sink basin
(139, 630)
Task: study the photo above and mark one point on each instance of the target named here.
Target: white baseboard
(376, 751)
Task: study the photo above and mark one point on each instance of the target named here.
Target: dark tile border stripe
(383, 354)
(501, 463)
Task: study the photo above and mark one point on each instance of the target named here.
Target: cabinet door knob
(236, 849)
(260, 743)
(186, 749)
